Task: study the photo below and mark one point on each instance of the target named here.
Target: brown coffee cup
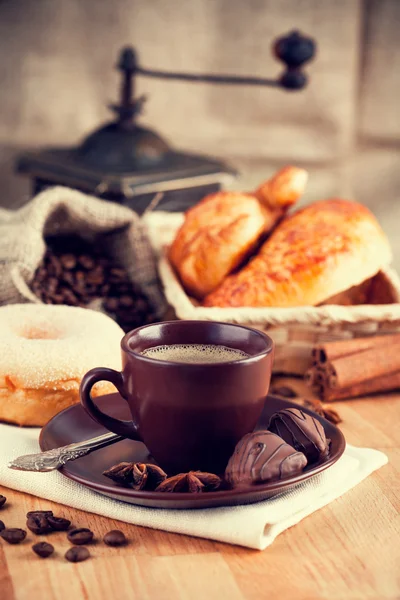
(189, 415)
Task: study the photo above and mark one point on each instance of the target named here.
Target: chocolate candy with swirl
(302, 431)
(263, 456)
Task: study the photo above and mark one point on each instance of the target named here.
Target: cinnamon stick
(350, 370)
(384, 383)
(331, 350)
(353, 368)
(320, 385)
(315, 377)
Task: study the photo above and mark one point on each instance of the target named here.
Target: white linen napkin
(255, 525)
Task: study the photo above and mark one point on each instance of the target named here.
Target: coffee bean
(80, 536)
(118, 273)
(115, 538)
(80, 277)
(2, 526)
(53, 268)
(140, 304)
(77, 272)
(69, 278)
(58, 523)
(91, 290)
(68, 261)
(43, 549)
(38, 524)
(126, 301)
(37, 288)
(45, 513)
(95, 279)
(55, 263)
(57, 299)
(13, 535)
(40, 275)
(69, 297)
(285, 391)
(3, 500)
(77, 554)
(111, 304)
(87, 262)
(52, 286)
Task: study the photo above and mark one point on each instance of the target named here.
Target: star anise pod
(331, 415)
(138, 476)
(194, 482)
(322, 409)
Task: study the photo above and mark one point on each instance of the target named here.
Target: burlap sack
(61, 210)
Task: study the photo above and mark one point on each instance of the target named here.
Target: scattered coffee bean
(58, 523)
(115, 538)
(2, 526)
(77, 554)
(3, 500)
(13, 535)
(45, 513)
(38, 524)
(285, 391)
(80, 536)
(43, 549)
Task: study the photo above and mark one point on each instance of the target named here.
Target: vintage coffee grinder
(124, 162)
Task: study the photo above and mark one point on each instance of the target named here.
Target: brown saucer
(74, 425)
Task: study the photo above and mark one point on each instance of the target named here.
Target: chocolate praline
(263, 456)
(305, 433)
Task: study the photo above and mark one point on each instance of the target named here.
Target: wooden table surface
(349, 549)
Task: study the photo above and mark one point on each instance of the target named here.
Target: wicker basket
(294, 330)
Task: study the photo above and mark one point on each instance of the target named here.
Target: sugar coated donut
(44, 352)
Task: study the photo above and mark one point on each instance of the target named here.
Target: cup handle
(127, 429)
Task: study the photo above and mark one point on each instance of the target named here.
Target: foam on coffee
(195, 353)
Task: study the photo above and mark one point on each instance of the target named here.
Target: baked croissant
(312, 255)
(225, 227)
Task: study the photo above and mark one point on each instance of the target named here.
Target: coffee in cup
(195, 353)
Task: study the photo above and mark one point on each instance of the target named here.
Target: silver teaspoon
(54, 459)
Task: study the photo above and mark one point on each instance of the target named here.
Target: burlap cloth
(61, 210)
